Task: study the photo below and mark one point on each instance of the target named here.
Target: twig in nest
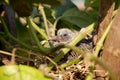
(13, 56)
(10, 54)
(52, 62)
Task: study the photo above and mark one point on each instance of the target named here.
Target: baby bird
(65, 35)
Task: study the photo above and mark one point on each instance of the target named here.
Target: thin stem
(12, 38)
(74, 61)
(101, 41)
(54, 25)
(42, 49)
(38, 29)
(44, 18)
(10, 54)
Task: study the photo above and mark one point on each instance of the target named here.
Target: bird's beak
(55, 38)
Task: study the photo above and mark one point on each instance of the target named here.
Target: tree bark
(111, 51)
(105, 15)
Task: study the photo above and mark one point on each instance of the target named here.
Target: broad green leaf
(22, 33)
(58, 11)
(21, 72)
(79, 18)
(66, 24)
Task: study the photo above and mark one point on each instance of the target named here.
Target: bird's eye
(64, 34)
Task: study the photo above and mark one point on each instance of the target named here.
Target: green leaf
(92, 3)
(117, 3)
(79, 18)
(24, 7)
(58, 11)
(22, 30)
(21, 72)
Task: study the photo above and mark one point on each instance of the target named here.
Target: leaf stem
(70, 63)
(42, 49)
(99, 45)
(54, 25)
(13, 38)
(38, 29)
(44, 18)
